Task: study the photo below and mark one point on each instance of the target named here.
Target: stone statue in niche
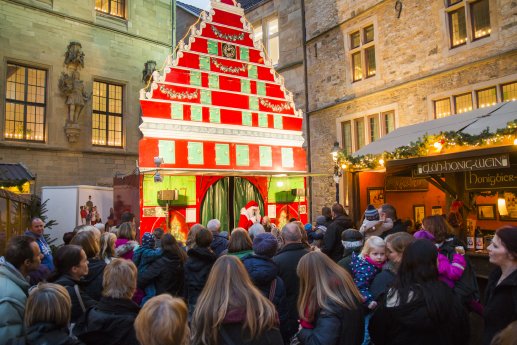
(149, 68)
(72, 87)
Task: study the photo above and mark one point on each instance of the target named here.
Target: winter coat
(263, 271)
(393, 323)
(332, 241)
(451, 271)
(92, 283)
(335, 326)
(363, 273)
(500, 303)
(346, 261)
(287, 260)
(197, 268)
(166, 273)
(124, 248)
(109, 323)
(44, 248)
(69, 283)
(375, 227)
(240, 254)
(383, 281)
(219, 244)
(398, 226)
(13, 295)
(46, 334)
(232, 332)
(144, 256)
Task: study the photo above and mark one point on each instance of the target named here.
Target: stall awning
(472, 122)
(14, 174)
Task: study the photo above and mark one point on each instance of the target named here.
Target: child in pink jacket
(449, 272)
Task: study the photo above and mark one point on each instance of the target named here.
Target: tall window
(468, 21)
(359, 133)
(486, 97)
(25, 103)
(346, 134)
(115, 8)
(267, 33)
(509, 92)
(388, 121)
(362, 53)
(107, 114)
(463, 103)
(442, 108)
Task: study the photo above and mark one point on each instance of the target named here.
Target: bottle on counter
(471, 244)
(479, 239)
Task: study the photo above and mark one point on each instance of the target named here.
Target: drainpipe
(173, 19)
(306, 87)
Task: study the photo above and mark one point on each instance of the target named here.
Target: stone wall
(36, 33)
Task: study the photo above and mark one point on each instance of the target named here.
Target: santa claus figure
(250, 214)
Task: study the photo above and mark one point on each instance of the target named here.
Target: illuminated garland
(229, 69)
(179, 95)
(275, 107)
(430, 144)
(228, 37)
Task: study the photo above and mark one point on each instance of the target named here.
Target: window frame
(466, 5)
(107, 113)
(361, 49)
(26, 103)
(124, 8)
(265, 39)
(365, 117)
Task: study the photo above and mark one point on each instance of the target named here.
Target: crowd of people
(315, 284)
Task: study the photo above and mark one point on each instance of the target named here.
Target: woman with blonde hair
(125, 244)
(107, 245)
(329, 303)
(110, 322)
(163, 321)
(47, 315)
(92, 282)
(231, 310)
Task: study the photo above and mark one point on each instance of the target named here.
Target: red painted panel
(189, 60)
(292, 123)
(155, 109)
(273, 105)
(255, 56)
(199, 45)
(227, 18)
(179, 76)
(229, 84)
(274, 90)
(220, 98)
(178, 90)
(204, 79)
(253, 87)
(231, 117)
(264, 73)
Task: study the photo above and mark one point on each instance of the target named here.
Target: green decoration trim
(262, 120)
(213, 47)
(277, 121)
(177, 111)
(265, 156)
(247, 119)
(167, 150)
(195, 153)
(215, 115)
(196, 113)
(222, 154)
(244, 54)
(243, 155)
(287, 157)
(195, 78)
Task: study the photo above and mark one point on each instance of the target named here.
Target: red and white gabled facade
(220, 106)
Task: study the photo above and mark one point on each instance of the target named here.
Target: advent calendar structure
(219, 129)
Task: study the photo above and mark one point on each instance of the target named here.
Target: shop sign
(405, 184)
(487, 180)
(466, 164)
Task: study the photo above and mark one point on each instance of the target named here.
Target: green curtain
(215, 204)
(243, 192)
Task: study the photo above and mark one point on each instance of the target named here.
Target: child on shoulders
(372, 224)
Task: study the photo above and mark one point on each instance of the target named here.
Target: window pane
(389, 122)
(272, 26)
(370, 61)
(463, 103)
(355, 40)
(274, 49)
(442, 108)
(346, 134)
(457, 26)
(373, 128)
(257, 33)
(359, 133)
(107, 115)
(486, 97)
(368, 34)
(509, 92)
(480, 19)
(357, 70)
(117, 8)
(453, 2)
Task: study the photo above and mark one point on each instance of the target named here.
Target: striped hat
(371, 213)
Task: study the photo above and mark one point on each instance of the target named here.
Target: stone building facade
(376, 65)
(45, 85)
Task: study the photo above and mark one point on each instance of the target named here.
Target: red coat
(244, 222)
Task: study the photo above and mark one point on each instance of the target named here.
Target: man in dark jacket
(388, 211)
(332, 241)
(287, 261)
(219, 243)
(327, 213)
